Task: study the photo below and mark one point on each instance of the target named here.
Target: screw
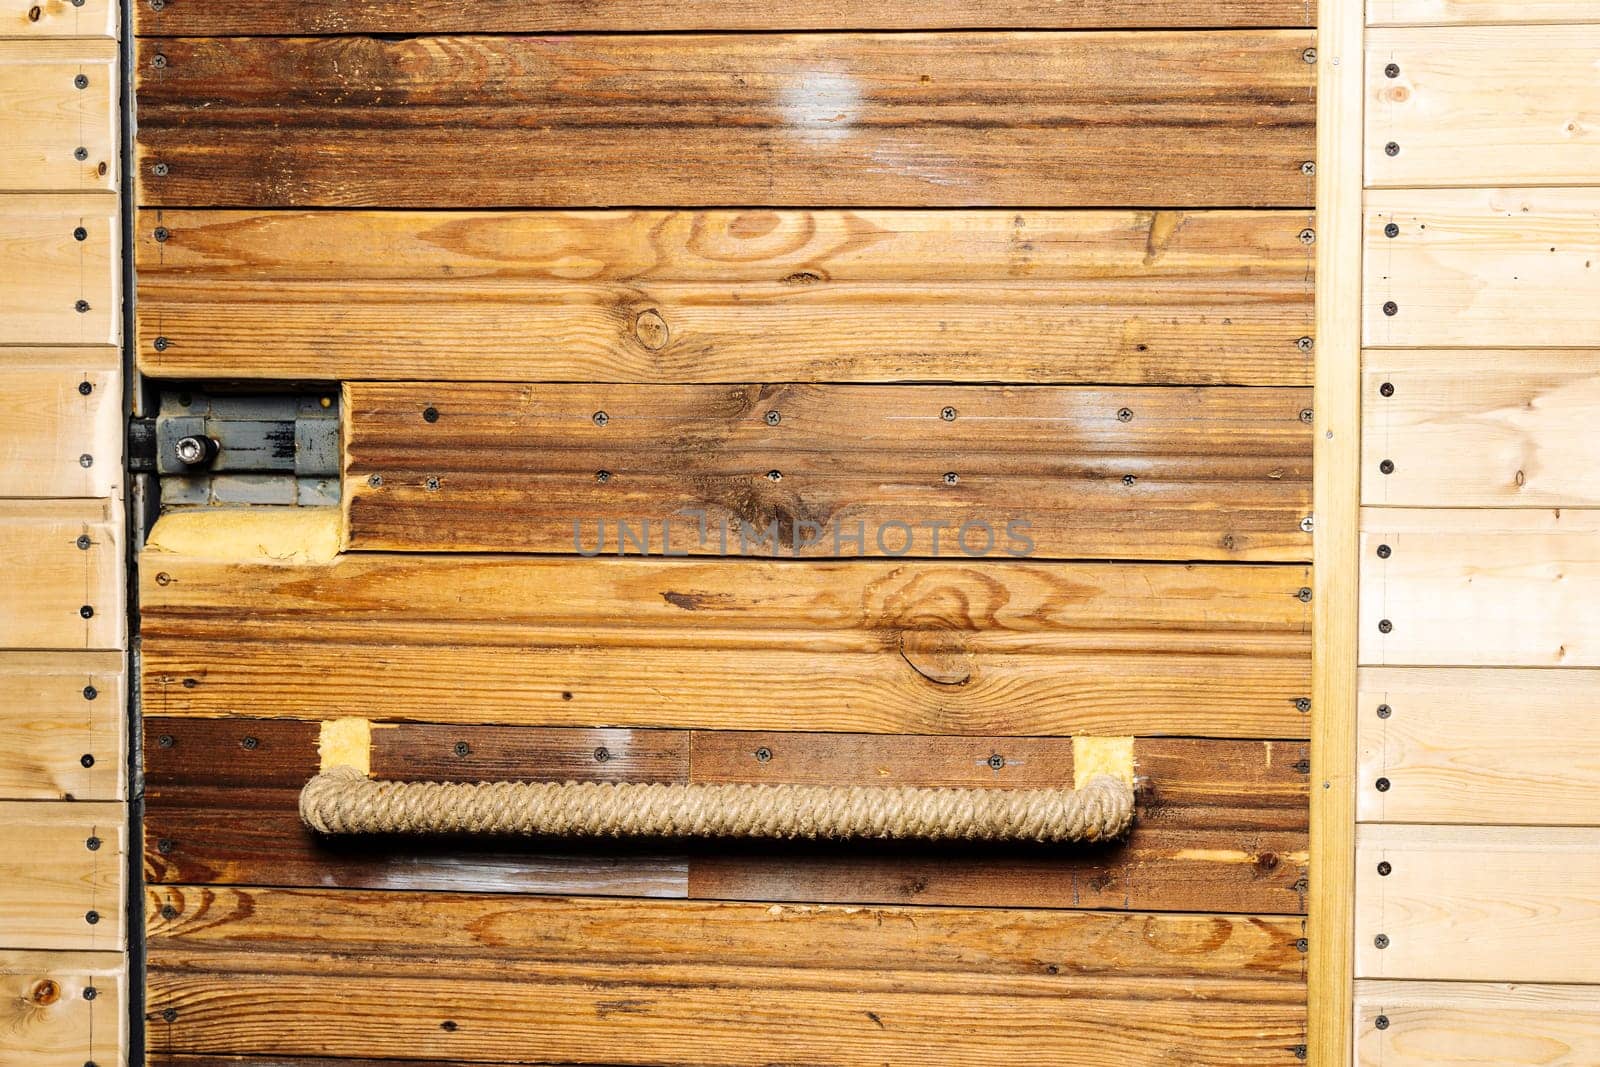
(87, 611)
(463, 749)
(1391, 309)
(1392, 70)
(1384, 551)
(1386, 389)
(430, 414)
(80, 234)
(162, 344)
(1302, 704)
(158, 60)
(1301, 766)
(375, 480)
(1299, 1052)
(997, 762)
(162, 578)
(1308, 168)
(1124, 414)
(431, 485)
(948, 414)
(1308, 236)
(1308, 524)
(1305, 344)
(951, 478)
(161, 233)
(168, 911)
(92, 844)
(87, 759)
(86, 461)
(1381, 1022)
(91, 917)
(1382, 785)
(164, 846)
(763, 755)
(602, 477)
(601, 418)
(1384, 711)
(773, 418)
(1384, 868)
(774, 476)
(602, 755)
(161, 170)
(194, 450)
(1387, 466)
(1385, 626)
(165, 741)
(448, 1025)
(1382, 941)
(1391, 229)
(1128, 479)
(80, 153)
(1302, 945)
(82, 306)
(1306, 414)
(1304, 595)
(84, 542)
(85, 388)
(249, 744)
(90, 992)
(1309, 55)
(81, 81)
(171, 1014)
(90, 692)
(1392, 148)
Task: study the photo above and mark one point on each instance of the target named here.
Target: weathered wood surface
(932, 471)
(51, 880)
(48, 117)
(1447, 12)
(277, 18)
(34, 19)
(1496, 746)
(59, 595)
(1451, 120)
(1203, 297)
(888, 120)
(48, 423)
(1482, 268)
(49, 271)
(1222, 823)
(46, 1019)
(1459, 1024)
(60, 707)
(1483, 429)
(862, 646)
(1514, 904)
(1480, 588)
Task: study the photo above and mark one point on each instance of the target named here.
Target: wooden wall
(1477, 930)
(63, 846)
(791, 267)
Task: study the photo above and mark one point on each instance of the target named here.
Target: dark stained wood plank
(824, 471)
(194, 927)
(862, 646)
(1180, 119)
(706, 296)
(283, 18)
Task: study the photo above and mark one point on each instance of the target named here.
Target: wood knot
(940, 656)
(44, 992)
(651, 330)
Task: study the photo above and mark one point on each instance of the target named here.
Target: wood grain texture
(273, 17)
(1461, 1024)
(61, 707)
(1204, 297)
(885, 120)
(61, 596)
(1482, 268)
(48, 270)
(48, 117)
(1452, 12)
(1454, 124)
(1481, 429)
(46, 1019)
(37, 19)
(48, 423)
(1481, 746)
(1514, 904)
(936, 647)
(1480, 588)
(51, 881)
(825, 471)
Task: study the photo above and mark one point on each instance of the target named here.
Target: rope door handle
(343, 800)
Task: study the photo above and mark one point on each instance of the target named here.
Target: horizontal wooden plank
(1466, 12)
(48, 1018)
(1480, 429)
(66, 584)
(864, 646)
(1478, 903)
(51, 274)
(828, 471)
(884, 120)
(1482, 268)
(1480, 746)
(61, 728)
(1480, 588)
(1431, 1024)
(195, 927)
(56, 891)
(51, 119)
(270, 17)
(705, 296)
(34, 19)
(51, 422)
(1438, 113)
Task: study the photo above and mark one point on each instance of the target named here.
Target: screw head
(601, 418)
(1308, 524)
(1302, 704)
(1308, 168)
(1309, 55)
(1381, 941)
(602, 755)
(91, 917)
(87, 759)
(85, 388)
(87, 611)
(80, 234)
(1308, 236)
(763, 754)
(430, 414)
(1381, 785)
(1391, 229)
(81, 81)
(1385, 626)
(1384, 711)
(160, 170)
(1384, 551)
(1390, 308)
(602, 477)
(80, 153)
(164, 846)
(161, 344)
(431, 485)
(1124, 414)
(82, 306)
(86, 461)
(168, 911)
(774, 476)
(1384, 868)
(948, 414)
(1386, 389)
(161, 233)
(249, 744)
(1305, 344)
(1381, 1022)
(375, 481)
(92, 844)
(1302, 945)
(1128, 479)
(773, 418)
(158, 60)
(165, 741)
(170, 1014)
(462, 749)
(1306, 415)
(84, 542)
(1387, 466)
(90, 992)
(997, 762)
(90, 692)
(1392, 70)
(951, 478)
(1392, 148)
(1304, 595)
(193, 450)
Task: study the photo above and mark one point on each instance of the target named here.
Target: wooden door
(734, 392)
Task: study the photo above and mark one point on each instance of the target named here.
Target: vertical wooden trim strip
(1340, 100)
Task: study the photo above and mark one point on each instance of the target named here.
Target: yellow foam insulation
(1101, 755)
(246, 535)
(346, 743)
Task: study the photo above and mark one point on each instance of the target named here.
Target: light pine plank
(48, 270)
(1495, 747)
(1480, 588)
(48, 1018)
(36, 19)
(1480, 12)
(48, 424)
(60, 707)
(1481, 429)
(48, 118)
(1461, 1024)
(1478, 903)
(1484, 268)
(59, 595)
(51, 880)
(1447, 118)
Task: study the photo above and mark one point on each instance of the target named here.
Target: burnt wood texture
(787, 266)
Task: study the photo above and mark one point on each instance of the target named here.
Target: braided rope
(342, 800)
